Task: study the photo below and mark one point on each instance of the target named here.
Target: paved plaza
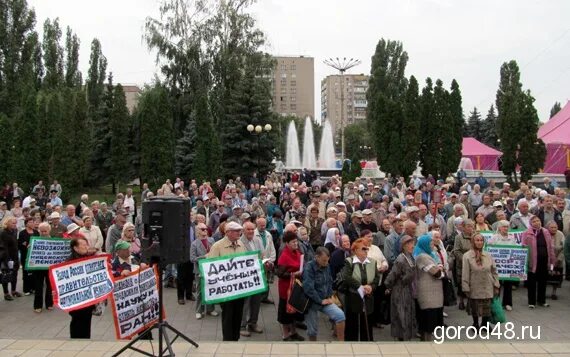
(23, 331)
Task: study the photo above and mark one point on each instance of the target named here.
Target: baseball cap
(121, 244)
(366, 212)
(357, 214)
(497, 204)
(233, 226)
(52, 215)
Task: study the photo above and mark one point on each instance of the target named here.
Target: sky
(447, 39)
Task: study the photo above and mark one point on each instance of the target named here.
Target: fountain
(327, 157)
(292, 158)
(309, 159)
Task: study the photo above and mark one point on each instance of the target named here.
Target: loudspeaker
(166, 229)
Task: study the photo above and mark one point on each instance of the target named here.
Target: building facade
(132, 93)
(354, 110)
(293, 86)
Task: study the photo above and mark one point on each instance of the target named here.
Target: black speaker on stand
(166, 241)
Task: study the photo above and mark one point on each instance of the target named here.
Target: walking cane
(365, 318)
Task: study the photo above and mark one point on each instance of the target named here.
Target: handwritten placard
(44, 252)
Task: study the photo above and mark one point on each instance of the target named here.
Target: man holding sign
(232, 311)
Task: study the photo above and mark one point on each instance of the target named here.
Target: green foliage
(156, 136)
(411, 126)
(119, 124)
(555, 109)
(386, 100)
(356, 136)
(517, 127)
(451, 155)
(53, 54)
(72, 74)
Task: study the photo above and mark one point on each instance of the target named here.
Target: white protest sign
(43, 252)
(81, 282)
(135, 302)
(231, 277)
(511, 261)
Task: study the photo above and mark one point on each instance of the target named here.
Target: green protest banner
(511, 261)
(43, 252)
(231, 277)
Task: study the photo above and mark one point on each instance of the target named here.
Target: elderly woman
(92, 233)
(128, 235)
(501, 237)
(401, 281)
(332, 241)
(480, 281)
(430, 271)
(375, 253)
(9, 262)
(360, 277)
(289, 267)
(541, 261)
(461, 246)
(555, 278)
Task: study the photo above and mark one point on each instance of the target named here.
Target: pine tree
(489, 129)
(474, 125)
(453, 143)
(430, 136)
(555, 109)
(185, 153)
(119, 125)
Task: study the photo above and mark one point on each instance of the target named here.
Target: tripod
(162, 326)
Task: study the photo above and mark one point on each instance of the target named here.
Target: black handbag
(297, 301)
(449, 296)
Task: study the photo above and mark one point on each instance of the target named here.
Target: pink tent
(482, 156)
(556, 135)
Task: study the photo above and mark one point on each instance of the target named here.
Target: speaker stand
(162, 326)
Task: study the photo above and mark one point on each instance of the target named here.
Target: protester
(232, 311)
(318, 286)
(502, 237)
(555, 277)
(400, 282)
(430, 271)
(541, 261)
(360, 276)
(461, 246)
(199, 249)
(252, 304)
(92, 233)
(480, 281)
(80, 325)
(9, 262)
(288, 268)
(41, 277)
(23, 244)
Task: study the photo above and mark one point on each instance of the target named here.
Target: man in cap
(57, 228)
(354, 226)
(367, 222)
(232, 311)
(252, 303)
(124, 262)
(421, 227)
(115, 231)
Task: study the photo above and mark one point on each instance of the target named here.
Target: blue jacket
(317, 282)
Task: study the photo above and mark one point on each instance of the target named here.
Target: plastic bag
(497, 312)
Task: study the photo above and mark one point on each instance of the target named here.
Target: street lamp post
(258, 130)
(342, 65)
(366, 150)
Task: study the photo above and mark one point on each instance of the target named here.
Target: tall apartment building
(293, 86)
(355, 87)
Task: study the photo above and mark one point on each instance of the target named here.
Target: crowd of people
(368, 253)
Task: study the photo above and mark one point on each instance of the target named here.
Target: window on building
(283, 99)
(293, 106)
(293, 90)
(283, 107)
(283, 82)
(283, 75)
(293, 98)
(293, 67)
(293, 75)
(283, 67)
(293, 83)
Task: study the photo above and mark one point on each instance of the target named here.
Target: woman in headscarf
(401, 284)
(540, 262)
(430, 271)
(480, 281)
(461, 246)
(501, 237)
(332, 241)
(360, 276)
(555, 279)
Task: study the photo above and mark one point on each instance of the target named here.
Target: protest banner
(515, 234)
(81, 282)
(511, 261)
(231, 277)
(43, 252)
(135, 302)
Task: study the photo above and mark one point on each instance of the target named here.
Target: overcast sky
(465, 40)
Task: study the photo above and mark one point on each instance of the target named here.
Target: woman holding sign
(501, 237)
(541, 261)
(80, 326)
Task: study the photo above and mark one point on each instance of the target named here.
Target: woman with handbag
(401, 285)
(360, 277)
(288, 269)
(501, 237)
(480, 281)
(555, 279)
(430, 271)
